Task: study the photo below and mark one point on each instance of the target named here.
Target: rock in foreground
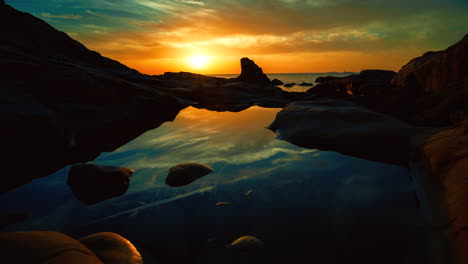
(246, 243)
(93, 183)
(344, 127)
(184, 174)
(112, 248)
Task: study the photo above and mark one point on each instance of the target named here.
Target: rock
(305, 84)
(446, 153)
(276, 82)
(246, 243)
(289, 85)
(44, 247)
(435, 71)
(433, 87)
(366, 83)
(184, 174)
(94, 183)
(112, 248)
(345, 127)
(251, 73)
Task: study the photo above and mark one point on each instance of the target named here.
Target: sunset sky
(210, 36)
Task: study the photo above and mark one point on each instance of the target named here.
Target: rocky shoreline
(64, 104)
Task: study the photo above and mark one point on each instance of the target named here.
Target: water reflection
(307, 205)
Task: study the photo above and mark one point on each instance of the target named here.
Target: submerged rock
(289, 85)
(112, 248)
(344, 127)
(94, 183)
(246, 243)
(305, 84)
(184, 174)
(251, 73)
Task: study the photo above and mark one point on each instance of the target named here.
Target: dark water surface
(307, 206)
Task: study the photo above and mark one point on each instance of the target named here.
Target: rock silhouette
(251, 73)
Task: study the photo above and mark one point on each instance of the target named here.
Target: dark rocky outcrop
(184, 174)
(343, 126)
(289, 85)
(276, 82)
(366, 83)
(251, 73)
(61, 103)
(94, 183)
(434, 86)
(306, 84)
(435, 71)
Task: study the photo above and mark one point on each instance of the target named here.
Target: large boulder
(344, 127)
(94, 183)
(446, 152)
(112, 248)
(435, 71)
(251, 73)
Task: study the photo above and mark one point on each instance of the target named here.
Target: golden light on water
(198, 61)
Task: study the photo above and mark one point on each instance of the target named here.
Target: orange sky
(155, 36)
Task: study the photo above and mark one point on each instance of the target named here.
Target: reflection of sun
(198, 61)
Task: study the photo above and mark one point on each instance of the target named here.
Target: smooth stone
(94, 183)
(112, 248)
(345, 127)
(184, 174)
(246, 243)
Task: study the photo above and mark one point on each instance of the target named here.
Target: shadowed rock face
(435, 71)
(344, 127)
(447, 152)
(251, 73)
(93, 183)
(61, 103)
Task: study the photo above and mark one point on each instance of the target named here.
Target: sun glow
(198, 61)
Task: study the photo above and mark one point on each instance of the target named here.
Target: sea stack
(251, 73)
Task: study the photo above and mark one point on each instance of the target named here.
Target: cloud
(65, 16)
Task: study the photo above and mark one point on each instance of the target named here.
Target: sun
(198, 61)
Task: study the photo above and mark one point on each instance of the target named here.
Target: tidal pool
(306, 205)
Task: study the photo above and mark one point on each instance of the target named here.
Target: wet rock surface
(343, 126)
(184, 174)
(94, 183)
(112, 248)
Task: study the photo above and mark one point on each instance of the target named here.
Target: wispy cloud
(64, 16)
